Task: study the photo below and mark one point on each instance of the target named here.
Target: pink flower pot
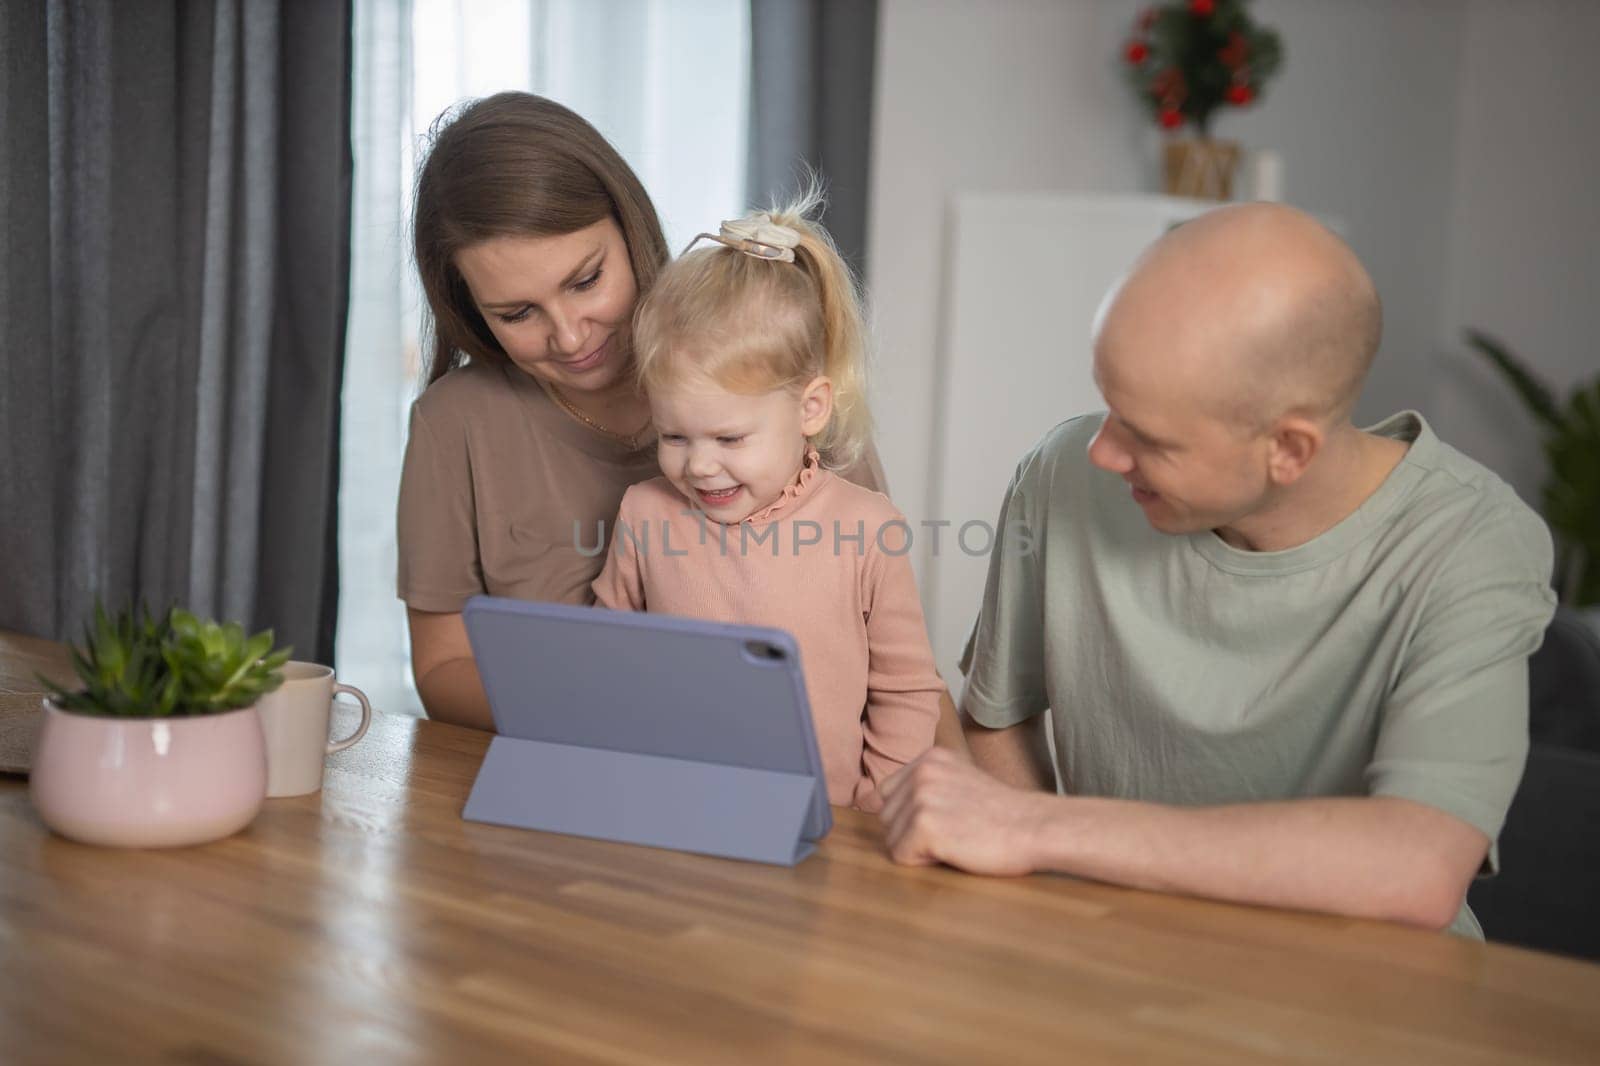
(148, 782)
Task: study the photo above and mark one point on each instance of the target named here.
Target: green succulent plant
(1571, 496)
(135, 665)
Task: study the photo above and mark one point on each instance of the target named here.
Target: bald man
(1285, 658)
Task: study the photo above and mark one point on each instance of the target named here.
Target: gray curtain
(173, 281)
(811, 76)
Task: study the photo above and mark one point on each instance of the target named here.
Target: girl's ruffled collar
(811, 474)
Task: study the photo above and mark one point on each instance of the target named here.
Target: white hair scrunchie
(756, 235)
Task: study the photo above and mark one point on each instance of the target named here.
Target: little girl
(752, 356)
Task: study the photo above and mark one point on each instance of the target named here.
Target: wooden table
(371, 924)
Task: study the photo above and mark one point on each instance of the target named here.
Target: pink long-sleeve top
(826, 562)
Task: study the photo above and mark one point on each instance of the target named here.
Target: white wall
(1434, 130)
(1525, 223)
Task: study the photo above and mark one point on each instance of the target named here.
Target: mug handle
(366, 717)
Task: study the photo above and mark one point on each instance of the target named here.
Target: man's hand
(941, 808)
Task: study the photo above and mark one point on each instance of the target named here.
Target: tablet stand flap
(730, 811)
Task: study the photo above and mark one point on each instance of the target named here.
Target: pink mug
(295, 718)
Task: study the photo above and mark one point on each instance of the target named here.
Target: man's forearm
(1018, 755)
(1372, 857)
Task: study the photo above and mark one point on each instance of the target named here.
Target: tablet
(646, 728)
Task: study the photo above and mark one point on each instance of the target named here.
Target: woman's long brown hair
(515, 164)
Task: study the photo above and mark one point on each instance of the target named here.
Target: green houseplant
(161, 745)
(1570, 498)
(134, 665)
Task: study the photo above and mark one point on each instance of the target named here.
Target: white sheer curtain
(667, 81)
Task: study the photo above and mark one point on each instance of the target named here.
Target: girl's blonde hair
(752, 325)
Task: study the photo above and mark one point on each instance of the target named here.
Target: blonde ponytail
(844, 332)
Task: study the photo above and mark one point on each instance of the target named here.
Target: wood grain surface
(369, 923)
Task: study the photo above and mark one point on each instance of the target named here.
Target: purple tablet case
(647, 729)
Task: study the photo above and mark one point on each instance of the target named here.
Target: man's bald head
(1255, 311)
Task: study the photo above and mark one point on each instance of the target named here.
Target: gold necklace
(631, 440)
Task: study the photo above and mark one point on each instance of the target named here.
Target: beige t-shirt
(505, 493)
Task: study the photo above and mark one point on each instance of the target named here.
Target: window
(667, 81)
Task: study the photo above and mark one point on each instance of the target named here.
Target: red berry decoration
(1239, 95)
(1203, 8)
(1137, 52)
(1237, 50)
(1147, 19)
(1171, 120)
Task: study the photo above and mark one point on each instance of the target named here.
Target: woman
(534, 241)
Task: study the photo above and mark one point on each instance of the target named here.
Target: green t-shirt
(1386, 657)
